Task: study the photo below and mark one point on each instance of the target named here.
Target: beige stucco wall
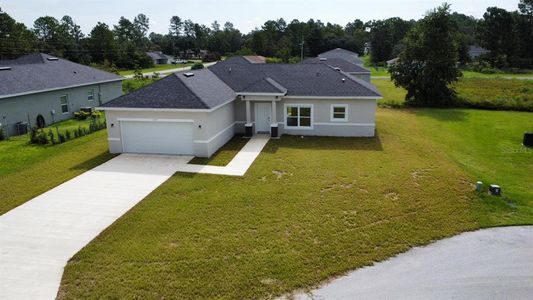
(211, 130)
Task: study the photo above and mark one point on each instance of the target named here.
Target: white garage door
(157, 137)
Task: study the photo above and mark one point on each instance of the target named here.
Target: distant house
(475, 51)
(391, 62)
(51, 89)
(342, 54)
(255, 59)
(158, 57)
(340, 64)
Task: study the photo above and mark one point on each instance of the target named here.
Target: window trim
(92, 95)
(332, 114)
(299, 105)
(67, 104)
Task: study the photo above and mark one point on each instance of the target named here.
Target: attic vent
(338, 69)
(52, 58)
(5, 68)
(323, 58)
(343, 80)
(188, 74)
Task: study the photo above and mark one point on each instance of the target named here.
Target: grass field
(472, 74)
(309, 209)
(29, 170)
(475, 92)
(157, 68)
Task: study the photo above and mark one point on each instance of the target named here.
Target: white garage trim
(155, 120)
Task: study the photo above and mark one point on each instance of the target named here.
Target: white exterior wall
(211, 130)
(360, 123)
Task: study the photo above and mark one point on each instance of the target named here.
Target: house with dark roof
(474, 52)
(340, 64)
(197, 112)
(51, 89)
(342, 54)
(158, 57)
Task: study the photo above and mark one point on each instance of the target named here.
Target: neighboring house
(158, 57)
(391, 62)
(40, 84)
(197, 112)
(340, 64)
(475, 51)
(342, 54)
(255, 59)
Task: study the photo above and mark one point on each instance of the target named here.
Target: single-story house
(158, 57)
(475, 51)
(340, 64)
(197, 112)
(342, 54)
(51, 89)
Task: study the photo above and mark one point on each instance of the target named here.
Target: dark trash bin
(528, 139)
(22, 128)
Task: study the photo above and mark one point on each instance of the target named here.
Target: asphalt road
(494, 263)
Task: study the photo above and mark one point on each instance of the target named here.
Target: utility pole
(302, 50)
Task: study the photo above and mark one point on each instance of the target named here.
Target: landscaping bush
(37, 136)
(68, 135)
(197, 66)
(81, 115)
(51, 136)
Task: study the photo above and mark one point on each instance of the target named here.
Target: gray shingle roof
(156, 55)
(340, 63)
(36, 72)
(298, 79)
(202, 91)
(343, 54)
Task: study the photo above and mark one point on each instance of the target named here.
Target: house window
(339, 112)
(90, 95)
(63, 100)
(298, 116)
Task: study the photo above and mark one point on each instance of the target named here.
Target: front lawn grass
(225, 154)
(499, 94)
(157, 68)
(28, 170)
(307, 210)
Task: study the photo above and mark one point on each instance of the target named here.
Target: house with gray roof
(342, 54)
(158, 57)
(197, 112)
(51, 89)
(340, 64)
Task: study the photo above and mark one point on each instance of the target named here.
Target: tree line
(508, 35)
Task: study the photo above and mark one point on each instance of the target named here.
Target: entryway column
(274, 131)
(249, 126)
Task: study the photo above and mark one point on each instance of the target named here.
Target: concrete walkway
(238, 165)
(39, 237)
(493, 263)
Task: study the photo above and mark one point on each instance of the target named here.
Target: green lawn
(225, 154)
(472, 74)
(28, 170)
(313, 208)
(487, 93)
(157, 68)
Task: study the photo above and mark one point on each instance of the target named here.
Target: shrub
(197, 66)
(68, 135)
(51, 136)
(61, 138)
(273, 60)
(81, 115)
(156, 75)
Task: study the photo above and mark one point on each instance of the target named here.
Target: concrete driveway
(493, 263)
(39, 237)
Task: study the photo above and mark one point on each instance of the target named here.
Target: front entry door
(262, 117)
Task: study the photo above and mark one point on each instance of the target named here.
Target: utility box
(495, 190)
(22, 128)
(528, 139)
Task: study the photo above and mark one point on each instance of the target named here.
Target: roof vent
(190, 74)
(52, 58)
(343, 80)
(323, 59)
(337, 68)
(229, 70)
(5, 68)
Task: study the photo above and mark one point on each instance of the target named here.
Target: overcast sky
(244, 14)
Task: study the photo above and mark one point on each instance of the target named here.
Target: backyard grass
(28, 170)
(309, 209)
(224, 155)
(503, 94)
(157, 68)
(472, 74)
